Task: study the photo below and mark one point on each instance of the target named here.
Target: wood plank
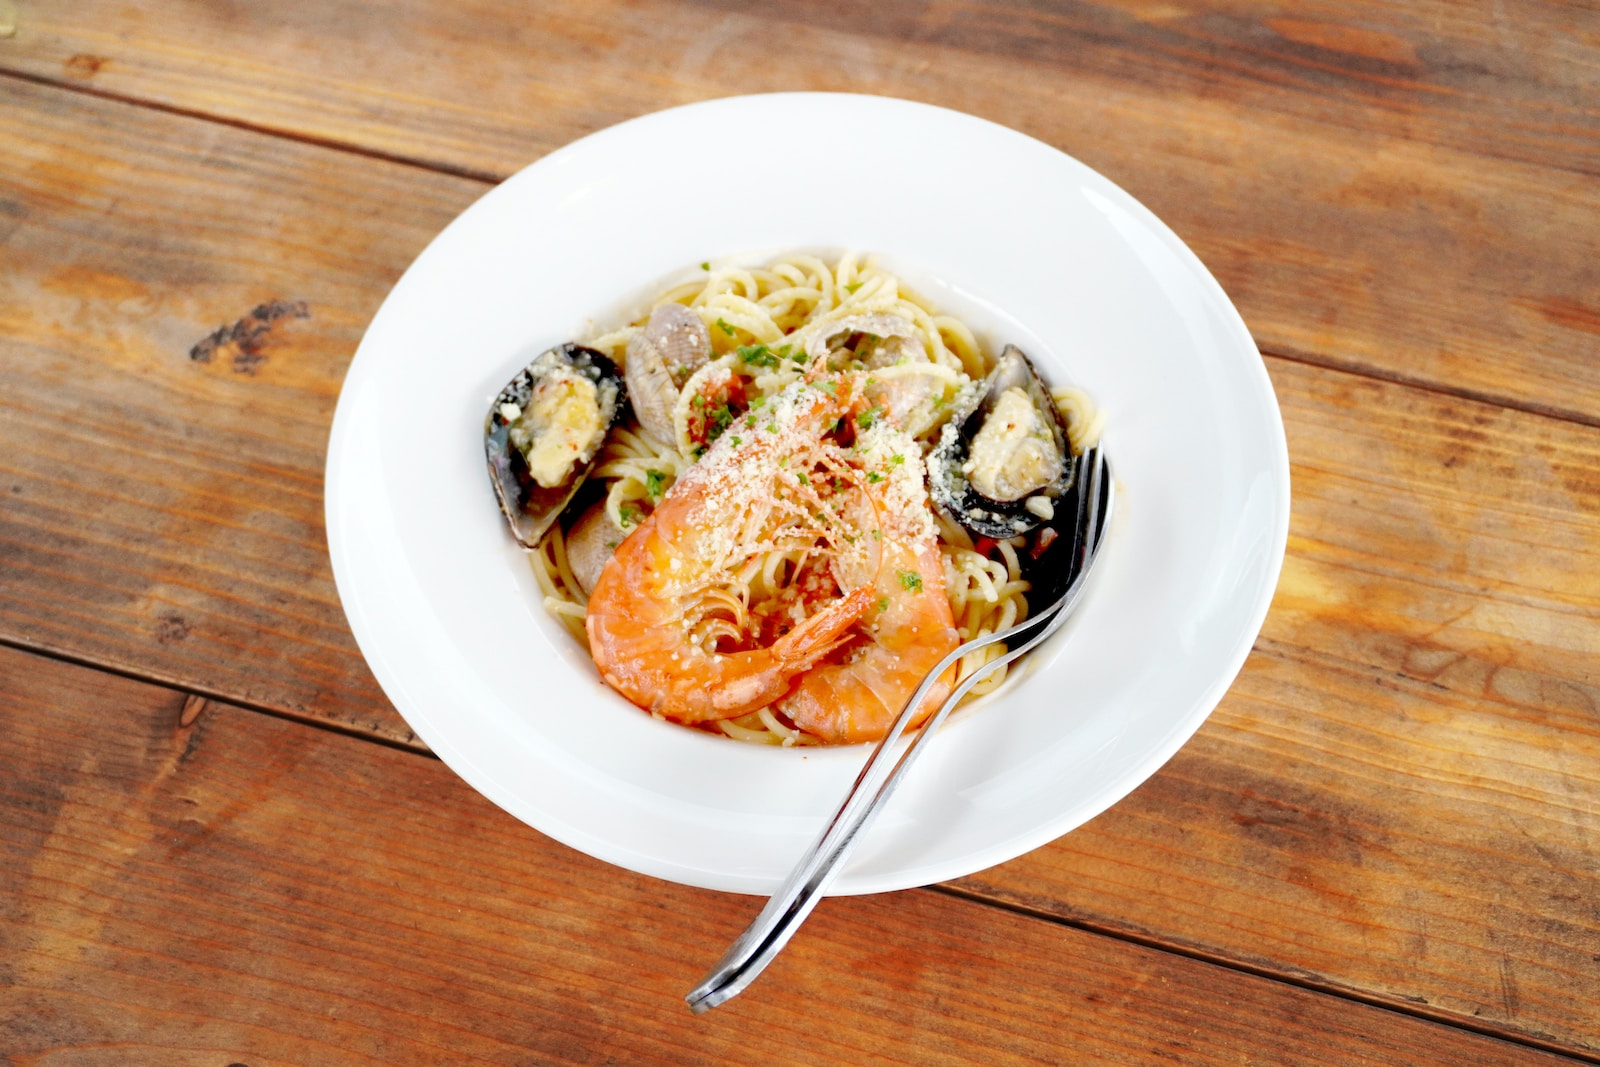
(1406, 190)
(250, 889)
(1441, 549)
(1401, 793)
(164, 491)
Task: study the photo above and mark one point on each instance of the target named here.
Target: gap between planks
(194, 706)
(490, 179)
(414, 745)
(1310, 984)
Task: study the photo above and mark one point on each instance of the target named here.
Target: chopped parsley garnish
(737, 441)
(654, 484)
(760, 355)
(758, 402)
(802, 479)
(724, 327)
(628, 517)
(874, 477)
(772, 427)
(799, 357)
(718, 419)
(853, 288)
(830, 387)
(897, 459)
(706, 265)
(868, 417)
(612, 544)
(883, 603)
(911, 580)
(877, 535)
(698, 403)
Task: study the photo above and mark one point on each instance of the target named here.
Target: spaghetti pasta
(765, 324)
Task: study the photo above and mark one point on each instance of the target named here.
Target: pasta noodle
(785, 303)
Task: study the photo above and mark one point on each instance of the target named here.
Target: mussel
(544, 432)
(1004, 459)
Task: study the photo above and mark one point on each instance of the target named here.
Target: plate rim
(1264, 399)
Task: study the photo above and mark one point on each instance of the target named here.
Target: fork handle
(777, 922)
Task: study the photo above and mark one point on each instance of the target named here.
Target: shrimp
(670, 622)
(643, 640)
(858, 699)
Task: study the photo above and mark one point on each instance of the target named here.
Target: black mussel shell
(949, 485)
(529, 507)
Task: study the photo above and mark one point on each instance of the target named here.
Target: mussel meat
(544, 433)
(1004, 458)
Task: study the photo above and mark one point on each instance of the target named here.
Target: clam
(896, 338)
(544, 433)
(1004, 458)
(661, 357)
(591, 543)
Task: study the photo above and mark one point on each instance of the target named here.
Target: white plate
(1034, 248)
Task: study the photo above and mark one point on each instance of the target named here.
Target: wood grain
(243, 889)
(175, 327)
(1397, 799)
(1405, 190)
(1401, 792)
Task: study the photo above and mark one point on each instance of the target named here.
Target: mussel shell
(529, 507)
(949, 486)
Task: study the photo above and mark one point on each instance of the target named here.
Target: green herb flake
(868, 417)
(883, 603)
(628, 517)
(877, 535)
(829, 387)
(772, 427)
(802, 479)
(718, 419)
(758, 403)
(874, 477)
(612, 544)
(724, 327)
(852, 288)
(706, 265)
(759, 355)
(737, 441)
(799, 357)
(911, 580)
(654, 484)
(897, 459)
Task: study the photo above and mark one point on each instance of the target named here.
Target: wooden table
(223, 846)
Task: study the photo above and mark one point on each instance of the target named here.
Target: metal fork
(777, 922)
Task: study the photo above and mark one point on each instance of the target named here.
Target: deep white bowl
(1033, 248)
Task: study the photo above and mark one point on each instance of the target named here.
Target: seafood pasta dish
(771, 505)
